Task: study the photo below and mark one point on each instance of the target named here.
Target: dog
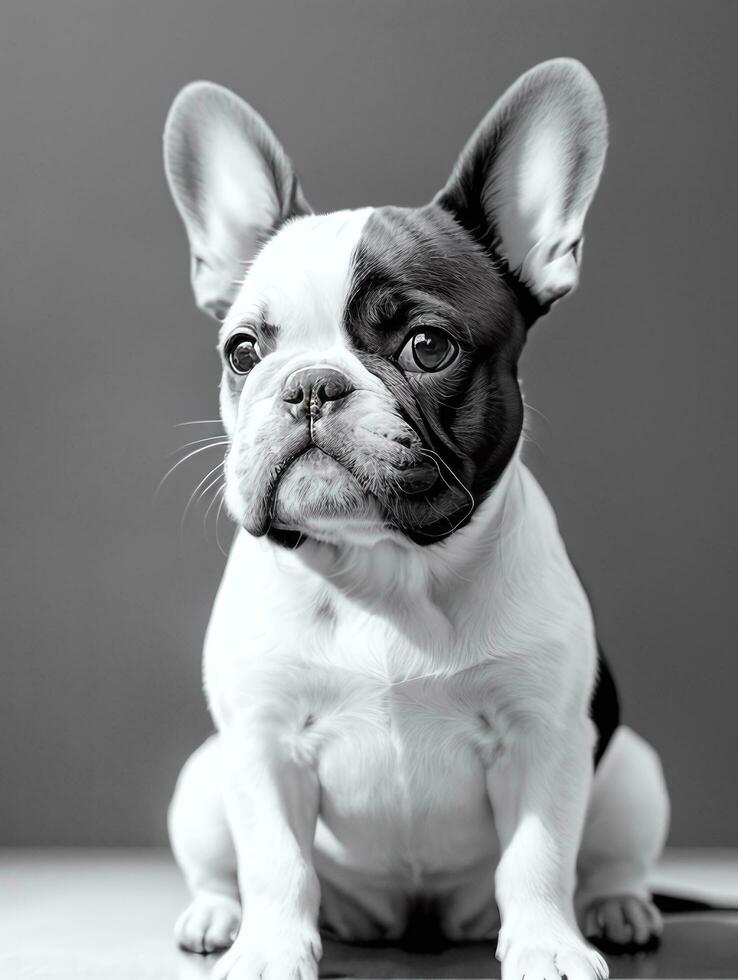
(412, 711)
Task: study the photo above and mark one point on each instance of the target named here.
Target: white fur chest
(401, 757)
(399, 738)
(400, 701)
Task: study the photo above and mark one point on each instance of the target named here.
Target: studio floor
(108, 915)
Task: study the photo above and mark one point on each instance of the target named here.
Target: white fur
(300, 281)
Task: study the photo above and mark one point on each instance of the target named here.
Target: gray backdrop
(105, 601)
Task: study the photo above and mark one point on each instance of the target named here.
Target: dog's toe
(209, 923)
(622, 923)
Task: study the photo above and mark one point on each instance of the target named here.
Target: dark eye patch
(419, 266)
(380, 320)
(380, 312)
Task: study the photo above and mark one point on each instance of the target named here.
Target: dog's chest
(400, 743)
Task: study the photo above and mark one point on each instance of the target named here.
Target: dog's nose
(312, 387)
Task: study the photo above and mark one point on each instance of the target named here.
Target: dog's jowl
(402, 666)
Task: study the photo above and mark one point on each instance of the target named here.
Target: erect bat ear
(525, 179)
(232, 183)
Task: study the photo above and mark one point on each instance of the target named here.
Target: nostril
(293, 394)
(331, 388)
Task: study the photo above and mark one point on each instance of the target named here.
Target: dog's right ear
(526, 178)
(232, 183)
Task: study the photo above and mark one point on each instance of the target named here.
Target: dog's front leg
(539, 792)
(271, 798)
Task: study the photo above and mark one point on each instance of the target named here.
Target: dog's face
(370, 356)
(369, 376)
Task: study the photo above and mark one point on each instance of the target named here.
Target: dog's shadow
(414, 958)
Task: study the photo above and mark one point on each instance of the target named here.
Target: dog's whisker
(171, 470)
(437, 459)
(217, 518)
(196, 442)
(210, 485)
(216, 496)
(213, 483)
(178, 425)
(455, 476)
(195, 495)
(531, 408)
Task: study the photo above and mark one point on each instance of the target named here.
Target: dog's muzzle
(326, 448)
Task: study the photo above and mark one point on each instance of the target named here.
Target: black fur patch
(420, 267)
(605, 706)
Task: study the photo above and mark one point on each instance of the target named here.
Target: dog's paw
(539, 963)
(622, 923)
(542, 948)
(209, 923)
(290, 956)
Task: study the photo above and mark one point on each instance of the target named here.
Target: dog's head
(370, 356)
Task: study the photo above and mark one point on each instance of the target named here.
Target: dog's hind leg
(624, 833)
(202, 845)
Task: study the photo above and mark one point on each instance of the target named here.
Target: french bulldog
(411, 707)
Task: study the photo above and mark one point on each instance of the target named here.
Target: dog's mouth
(309, 470)
(303, 482)
(312, 489)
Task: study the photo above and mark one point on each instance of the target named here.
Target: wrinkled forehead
(302, 278)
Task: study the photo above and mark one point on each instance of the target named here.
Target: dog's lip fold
(258, 521)
(411, 476)
(414, 481)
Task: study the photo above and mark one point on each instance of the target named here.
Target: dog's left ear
(525, 179)
(232, 183)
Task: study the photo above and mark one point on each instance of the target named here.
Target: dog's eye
(428, 349)
(242, 353)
